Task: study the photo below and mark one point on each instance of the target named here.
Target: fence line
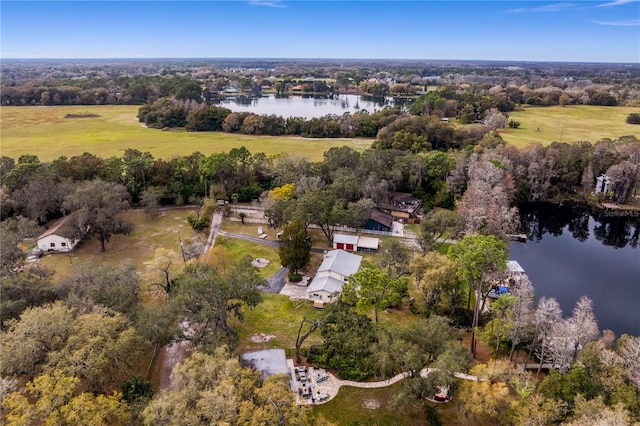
(248, 220)
(408, 235)
(245, 207)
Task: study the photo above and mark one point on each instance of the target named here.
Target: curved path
(330, 387)
(216, 222)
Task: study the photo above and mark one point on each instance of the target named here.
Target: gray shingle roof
(381, 217)
(342, 262)
(60, 228)
(328, 284)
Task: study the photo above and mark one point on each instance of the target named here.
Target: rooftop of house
(401, 201)
(514, 266)
(328, 284)
(381, 217)
(58, 228)
(341, 262)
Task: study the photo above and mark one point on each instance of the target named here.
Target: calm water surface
(571, 253)
(307, 107)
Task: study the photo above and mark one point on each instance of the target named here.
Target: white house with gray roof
(334, 271)
(58, 238)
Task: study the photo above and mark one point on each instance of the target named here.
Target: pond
(309, 106)
(571, 252)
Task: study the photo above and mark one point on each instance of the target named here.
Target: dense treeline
(535, 174)
(194, 116)
(393, 127)
(101, 91)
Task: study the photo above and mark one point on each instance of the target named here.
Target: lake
(309, 106)
(571, 253)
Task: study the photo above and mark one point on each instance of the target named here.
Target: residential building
(58, 238)
(379, 221)
(334, 271)
(402, 206)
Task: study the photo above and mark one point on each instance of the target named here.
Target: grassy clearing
(148, 234)
(569, 124)
(356, 406)
(249, 229)
(45, 132)
(280, 317)
(228, 251)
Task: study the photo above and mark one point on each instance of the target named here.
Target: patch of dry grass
(149, 233)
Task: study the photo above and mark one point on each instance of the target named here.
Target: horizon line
(243, 58)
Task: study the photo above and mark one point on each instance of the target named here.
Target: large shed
(345, 242)
(368, 244)
(355, 243)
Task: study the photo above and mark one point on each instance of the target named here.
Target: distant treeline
(107, 87)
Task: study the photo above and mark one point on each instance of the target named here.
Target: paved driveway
(276, 281)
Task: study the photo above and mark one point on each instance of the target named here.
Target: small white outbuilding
(57, 238)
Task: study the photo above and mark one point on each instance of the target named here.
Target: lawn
(149, 233)
(45, 132)
(357, 406)
(569, 124)
(227, 251)
(280, 317)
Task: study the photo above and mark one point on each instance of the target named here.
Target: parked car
(498, 291)
(34, 253)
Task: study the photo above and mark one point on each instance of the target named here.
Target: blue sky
(582, 31)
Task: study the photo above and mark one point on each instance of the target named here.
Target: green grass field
(45, 132)
(357, 406)
(569, 124)
(280, 317)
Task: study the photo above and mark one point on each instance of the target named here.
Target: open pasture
(572, 123)
(45, 132)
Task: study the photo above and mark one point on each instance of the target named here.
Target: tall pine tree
(295, 246)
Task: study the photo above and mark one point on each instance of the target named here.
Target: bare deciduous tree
(313, 326)
(521, 313)
(494, 119)
(547, 315)
(624, 177)
(485, 205)
(629, 350)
